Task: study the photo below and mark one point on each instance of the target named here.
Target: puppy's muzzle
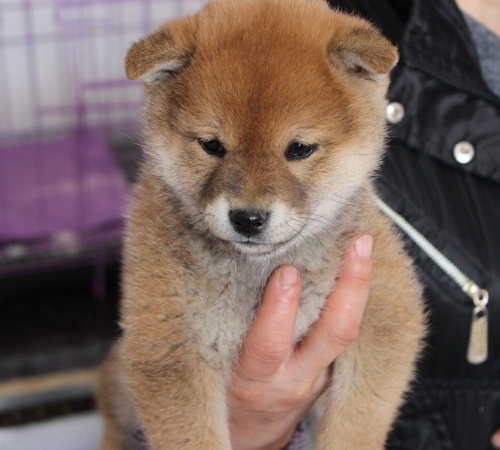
(248, 222)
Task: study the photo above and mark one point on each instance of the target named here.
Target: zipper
(477, 349)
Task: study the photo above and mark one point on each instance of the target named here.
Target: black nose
(246, 222)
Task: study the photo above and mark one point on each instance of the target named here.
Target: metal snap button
(394, 112)
(464, 152)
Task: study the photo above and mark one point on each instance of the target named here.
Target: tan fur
(256, 75)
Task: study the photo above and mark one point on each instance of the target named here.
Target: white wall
(61, 61)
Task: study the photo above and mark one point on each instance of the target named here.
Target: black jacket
(456, 205)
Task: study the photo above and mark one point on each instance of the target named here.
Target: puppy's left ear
(164, 53)
(364, 53)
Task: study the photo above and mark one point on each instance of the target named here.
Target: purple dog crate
(69, 124)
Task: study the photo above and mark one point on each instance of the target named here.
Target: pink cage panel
(68, 125)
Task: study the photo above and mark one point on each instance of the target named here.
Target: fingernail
(495, 440)
(288, 276)
(364, 246)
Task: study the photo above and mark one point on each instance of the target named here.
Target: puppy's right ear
(163, 53)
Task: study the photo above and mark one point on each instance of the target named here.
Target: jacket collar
(437, 41)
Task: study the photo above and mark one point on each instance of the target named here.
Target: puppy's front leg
(180, 399)
(369, 381)
(358, 414)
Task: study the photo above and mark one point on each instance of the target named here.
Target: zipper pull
(477, 350)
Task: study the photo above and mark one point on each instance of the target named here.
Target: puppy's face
(264, 117)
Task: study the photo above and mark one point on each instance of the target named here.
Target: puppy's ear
(163, 53)
(363, 52)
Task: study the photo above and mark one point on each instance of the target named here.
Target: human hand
(495, 439)
(275, 383)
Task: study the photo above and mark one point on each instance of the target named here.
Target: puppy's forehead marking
(265, 107)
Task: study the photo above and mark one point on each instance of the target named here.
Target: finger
(495, 440)
(269, 341)
(339, 323)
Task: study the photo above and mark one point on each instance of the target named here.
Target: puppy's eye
(298, 150)
(213, 147)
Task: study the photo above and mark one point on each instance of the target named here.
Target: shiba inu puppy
(264, 124)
